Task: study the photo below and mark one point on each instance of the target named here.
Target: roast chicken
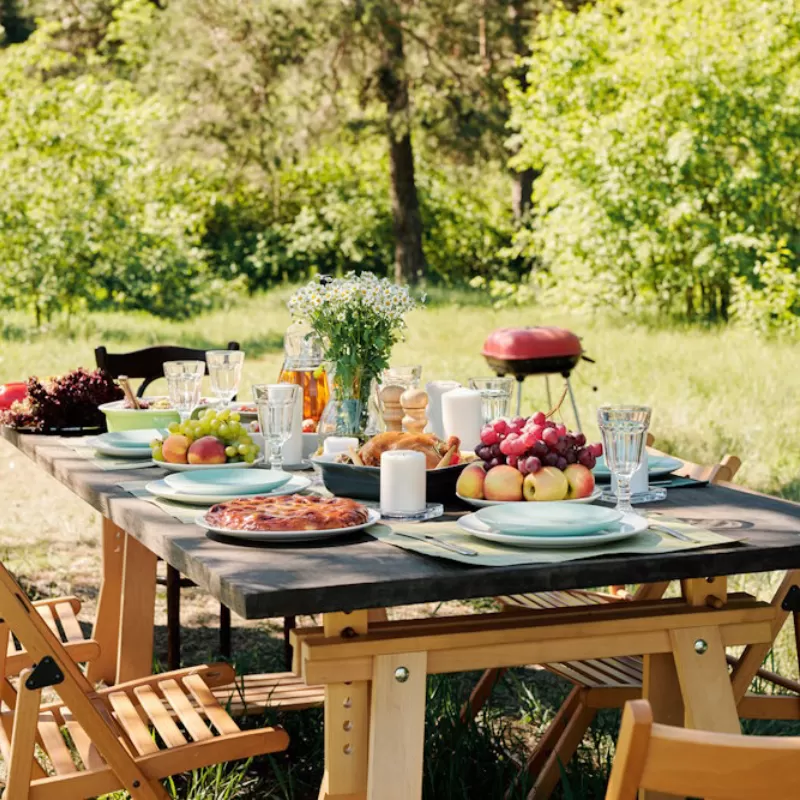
(428, 444)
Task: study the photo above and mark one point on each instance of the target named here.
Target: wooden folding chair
(679, 762)
(129, 736)
(725, 470)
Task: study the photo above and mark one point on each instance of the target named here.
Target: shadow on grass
(790, 490)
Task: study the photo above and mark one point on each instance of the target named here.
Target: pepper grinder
(415, 404)
(390, 407)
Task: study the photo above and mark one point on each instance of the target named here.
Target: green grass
(713, 391)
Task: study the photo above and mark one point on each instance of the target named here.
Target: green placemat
(84, 449)
(490, 554)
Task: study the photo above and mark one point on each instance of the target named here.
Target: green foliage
(667, 134)
(90, 215)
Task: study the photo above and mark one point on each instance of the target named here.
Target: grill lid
(517, 344)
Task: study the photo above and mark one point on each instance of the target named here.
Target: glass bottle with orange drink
(303, 366)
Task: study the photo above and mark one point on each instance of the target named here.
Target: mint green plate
(657, 467)
(216, 481)
(136, 439)
(548, 519)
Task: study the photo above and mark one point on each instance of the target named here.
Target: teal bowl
(131, 419)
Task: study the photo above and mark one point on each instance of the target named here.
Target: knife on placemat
(428, 539)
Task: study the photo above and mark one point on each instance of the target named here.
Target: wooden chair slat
(54, 744)
(83, 744)
(160, 717)
(128, 717)
(191, 720)
(69, 622)
(217, 715)
(46, 614)
(23, 741)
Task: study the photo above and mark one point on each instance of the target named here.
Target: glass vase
(354, 383)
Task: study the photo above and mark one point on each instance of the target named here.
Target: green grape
(214, 426)
(174, 427)
(156, 443)
(234, 416)
(230, 452)
(205, 428)
(243, 449)
(223, 415)
(209, 414)
(234, 428)
(157, 454)
(249, 458)
(223, 430)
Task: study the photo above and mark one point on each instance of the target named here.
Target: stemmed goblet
(184, 379)
(624, 432)
(225, 371)
(276, 404)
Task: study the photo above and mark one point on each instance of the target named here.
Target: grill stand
(521, 378)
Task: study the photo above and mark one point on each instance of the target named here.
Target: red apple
(471, 480)
(580, 480)
(548, 483)
(10, 393)
(503, 483)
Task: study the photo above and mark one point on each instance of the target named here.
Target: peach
(175, 447)
(548, 483)
(207, 450)
(471, 480)
(503, 483)
(580, 480)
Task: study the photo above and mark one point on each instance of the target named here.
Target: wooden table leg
(346, 722)
(397, 726)
(135, 650)
(705, 683)
(106, 626)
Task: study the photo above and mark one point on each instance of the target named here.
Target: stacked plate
(657, 467)
(127, 444)
(551, 525)
(206, 487)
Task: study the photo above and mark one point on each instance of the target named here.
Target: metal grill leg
(289, 624)
(574, 405)
(519, 396)
(549, 396)
(173, 618)
(225, 632)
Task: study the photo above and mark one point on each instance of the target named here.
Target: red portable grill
(534, 351)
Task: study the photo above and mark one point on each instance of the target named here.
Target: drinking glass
(184, 379)
(405, 376)
(624, 432)
(340, 418)
(495, 396)
(225, 371)
(275, 403)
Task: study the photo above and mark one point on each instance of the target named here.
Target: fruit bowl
(364, 483)
(119, 418)
(595, 495)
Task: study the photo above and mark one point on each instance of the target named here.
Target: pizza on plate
(293, 512)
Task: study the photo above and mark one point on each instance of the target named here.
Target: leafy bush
(666, 132)
(90, 215)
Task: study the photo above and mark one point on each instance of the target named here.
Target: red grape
(539, 418)
(549, 424)
(571, 456)
(512, 461)
(489, 435)
(560, 446)
(561, 463)
(495, 451)
(561, 430)
(518, 423)
(551, 459)
(495, 462)
(540, 449)
(529, 439)
(592, 462)
(533, 464)
(596, 449)
(580, 439)
(537, 431)
(585, 456)
(501, 426)
(507, 445)
(550, 437)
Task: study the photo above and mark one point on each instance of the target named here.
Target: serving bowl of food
(357, 474)
(153, 412)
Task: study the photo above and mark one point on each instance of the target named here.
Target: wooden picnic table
(374, 672)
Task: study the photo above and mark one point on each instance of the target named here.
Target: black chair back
(148, 364)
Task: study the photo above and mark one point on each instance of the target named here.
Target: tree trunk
(409, 258)
(522, 193)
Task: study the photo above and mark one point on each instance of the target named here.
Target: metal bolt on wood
(700, 646)
(401, 674)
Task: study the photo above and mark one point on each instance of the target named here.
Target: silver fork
(426, 537)
(675, 534)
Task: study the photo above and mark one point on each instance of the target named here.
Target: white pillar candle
(403, 477)
(435, 390)
(292, 449)
(462, 416)
(339, 444)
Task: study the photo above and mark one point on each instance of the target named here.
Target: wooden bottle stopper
(390, 407)
(415, 404)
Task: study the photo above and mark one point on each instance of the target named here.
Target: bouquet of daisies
(358, 318)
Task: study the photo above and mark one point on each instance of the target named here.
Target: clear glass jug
(303, 366)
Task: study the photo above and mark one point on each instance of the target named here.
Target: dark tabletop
(361, 572)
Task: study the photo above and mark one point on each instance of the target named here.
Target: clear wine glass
(275, 403)
(495, 396)
(624, 432)
(184, 379)
(225, 371)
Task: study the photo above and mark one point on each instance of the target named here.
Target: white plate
(657, 467)
(595, 495)
(122, 452)
(265, 537)
(630, 525)
(245, 481)
(188, 467)
(547, 519)
(163, 490)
